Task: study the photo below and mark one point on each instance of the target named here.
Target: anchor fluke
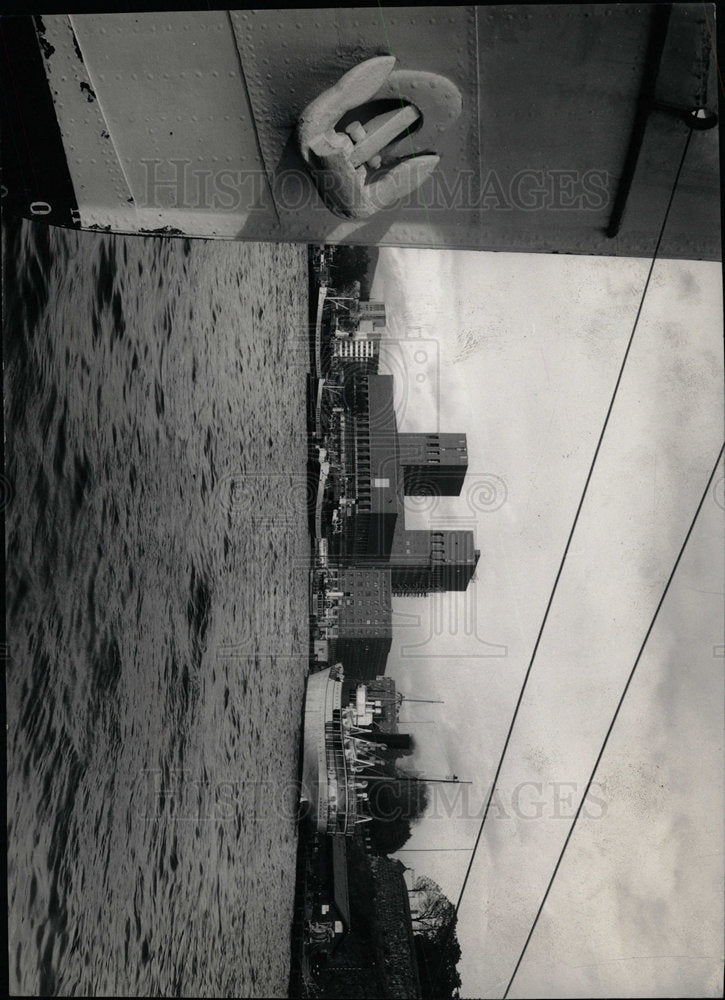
(355, 170)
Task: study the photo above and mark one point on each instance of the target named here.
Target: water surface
(157, 611)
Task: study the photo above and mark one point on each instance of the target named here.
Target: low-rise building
(328, 911)
(367, 468)
(393, 913)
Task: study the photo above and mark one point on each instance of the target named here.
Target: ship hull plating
(186, 124)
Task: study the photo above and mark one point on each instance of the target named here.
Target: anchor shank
(380, 137)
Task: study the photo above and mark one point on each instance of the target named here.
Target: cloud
(532, 393)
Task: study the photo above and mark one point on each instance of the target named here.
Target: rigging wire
(573, 528)
(614, 719)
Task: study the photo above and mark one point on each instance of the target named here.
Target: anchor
(357, 171)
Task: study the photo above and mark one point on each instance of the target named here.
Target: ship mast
(452, 780)
(423, 701)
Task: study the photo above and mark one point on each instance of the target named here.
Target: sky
(522, 353)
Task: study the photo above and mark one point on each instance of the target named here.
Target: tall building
(433, 464)
(358, 622)
(424, 562)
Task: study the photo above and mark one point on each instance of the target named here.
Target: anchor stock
(356, 171)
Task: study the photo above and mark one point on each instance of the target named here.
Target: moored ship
(337, 753)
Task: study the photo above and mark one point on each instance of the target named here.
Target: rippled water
(157, 611)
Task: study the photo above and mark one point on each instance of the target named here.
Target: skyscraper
(433, 464)
(425, 562)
